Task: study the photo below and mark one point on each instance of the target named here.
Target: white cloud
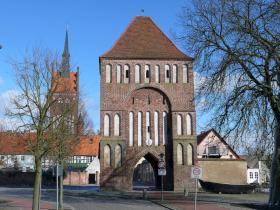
(5, 101)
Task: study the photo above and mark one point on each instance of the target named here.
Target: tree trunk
(274, 196)
(37, 182)
(60, 203)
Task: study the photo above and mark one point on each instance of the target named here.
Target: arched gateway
(142, 105)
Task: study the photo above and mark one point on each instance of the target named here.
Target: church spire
(65, 70)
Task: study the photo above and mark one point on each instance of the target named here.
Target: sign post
(57, 166)
(196, 174)
(161, 171)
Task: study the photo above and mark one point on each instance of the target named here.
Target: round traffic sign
(196, 171)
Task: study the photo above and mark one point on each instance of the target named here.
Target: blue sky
(93, 28)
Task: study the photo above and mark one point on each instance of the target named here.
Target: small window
(251, 175)
(149, 129)
(147, 73)
(126, 74)
(212, 150)
(22, 158)
(167, 74)
(256, 175)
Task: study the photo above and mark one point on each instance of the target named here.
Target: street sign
(161, 164)
(162, 172)
(196, 172)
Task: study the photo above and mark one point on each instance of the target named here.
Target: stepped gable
(144, 40)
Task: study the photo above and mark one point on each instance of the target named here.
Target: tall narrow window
(156, 127)
(147, 73)
(174, 73)
(139, 128)
(106, 125)
(126, 74)
(157, 74)
(119, 74)
(107, 156)
(148, 128)
(180, 154)
(164, 128)
(118, 156)
(131, 126)
(190, 154)
(167, 73)
(116, 125)
(185, 73)
(108, 73)
(189, 124)
(137, 73)
(179, 125)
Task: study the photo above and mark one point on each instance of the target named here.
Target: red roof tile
(144, 40)
(66, 84)
(88, 146)
(16, 144)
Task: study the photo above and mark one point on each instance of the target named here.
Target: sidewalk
(176, 201)
(14, 203)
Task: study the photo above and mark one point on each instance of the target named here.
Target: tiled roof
(88, 146)
(144, 40)
(202, 136)
(66, 84)
(16, 144)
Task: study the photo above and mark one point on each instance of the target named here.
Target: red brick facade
(122, 99)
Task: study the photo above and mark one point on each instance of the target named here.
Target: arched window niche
(107, 156)
(118, 156)
(106, 125)
(117, 125)
(180, 154)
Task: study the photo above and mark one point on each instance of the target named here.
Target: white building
(257, 171)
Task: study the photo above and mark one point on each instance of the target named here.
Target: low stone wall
(224, 170)
(24, 179)
(76, 178)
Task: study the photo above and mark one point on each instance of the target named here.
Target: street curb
(165, 205)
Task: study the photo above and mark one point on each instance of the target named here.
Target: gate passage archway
(145, 173)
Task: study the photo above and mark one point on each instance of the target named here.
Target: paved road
(84, 203)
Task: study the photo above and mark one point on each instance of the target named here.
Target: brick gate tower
(147, 108)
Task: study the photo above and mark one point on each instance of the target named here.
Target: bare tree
(236, 45)
(31, 108)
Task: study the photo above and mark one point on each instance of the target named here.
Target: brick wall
(224, 171)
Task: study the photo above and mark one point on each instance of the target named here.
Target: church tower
(67, 89)
(147, 108)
